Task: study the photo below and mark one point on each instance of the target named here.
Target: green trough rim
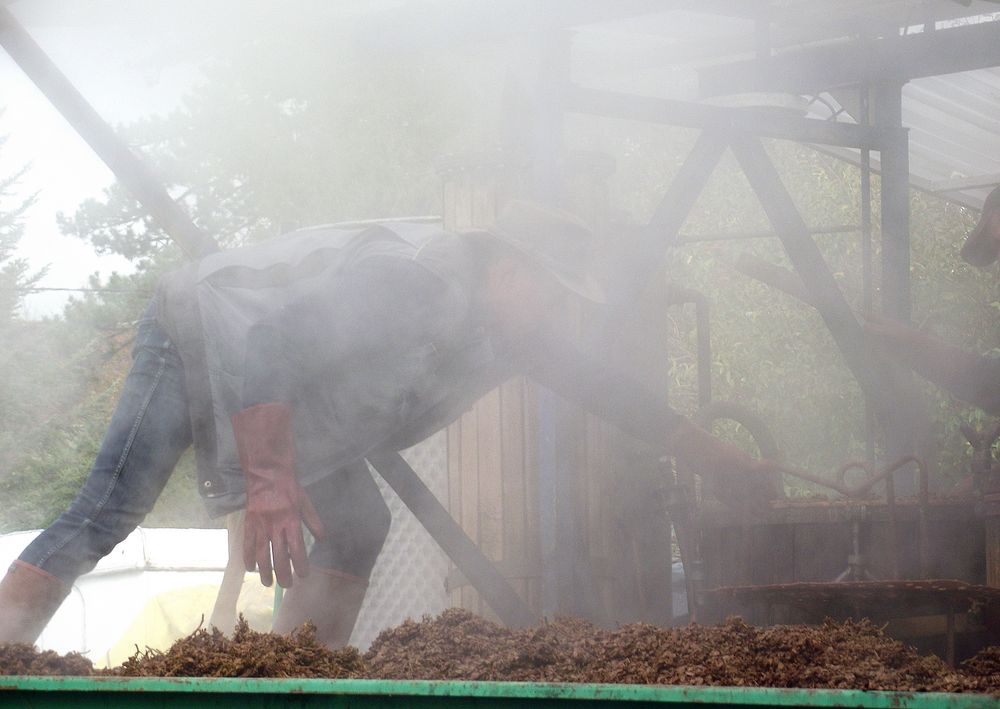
(729, 696)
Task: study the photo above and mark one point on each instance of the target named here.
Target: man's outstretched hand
(276, 503)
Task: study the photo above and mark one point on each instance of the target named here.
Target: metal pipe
(853, 491)
(895, 203)
(922, 532)
(890, 503)
(867, 288)
(128, 168)
(682, 296)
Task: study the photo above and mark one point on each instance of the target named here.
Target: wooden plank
(512, 456)
(462, 207)
(455, 485)
(595, 473)
(449, 196)
(993, 551)
(532, 526)
(992, 534)
(821, 551)
(483, 201)
(773, 562)
(736, 555)
(470, 492)
(449, 202)
(490, 499)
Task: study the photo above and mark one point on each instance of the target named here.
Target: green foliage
(29, 354)
(284, 135)
(15, 273)
(49, 463)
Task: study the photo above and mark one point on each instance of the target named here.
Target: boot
(29, 597)
(330, 599)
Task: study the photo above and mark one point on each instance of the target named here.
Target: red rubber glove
(276, 504)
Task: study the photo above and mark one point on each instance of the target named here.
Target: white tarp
(151, 589)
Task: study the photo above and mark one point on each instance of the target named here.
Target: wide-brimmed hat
(980, 248)
(556, 240)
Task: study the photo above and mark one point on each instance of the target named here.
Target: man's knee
(354, 538)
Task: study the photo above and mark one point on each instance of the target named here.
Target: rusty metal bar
(895, 194)
(888, 470)
(890, 502)
(126, 166)
(853, 491)
(922, 532)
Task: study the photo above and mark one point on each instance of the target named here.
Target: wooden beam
(418, 26)
(727, 122)
(132, 172)
(893, 59)
(645, 252)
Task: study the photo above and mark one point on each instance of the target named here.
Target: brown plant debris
(985, 666)
(20, 659)
(849, 655)
(248, 653)
(458, 645)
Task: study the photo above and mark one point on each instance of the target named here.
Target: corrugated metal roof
(954, 124)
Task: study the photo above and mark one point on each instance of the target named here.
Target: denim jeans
(149, 431)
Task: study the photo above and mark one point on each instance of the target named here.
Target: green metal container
(103, 692)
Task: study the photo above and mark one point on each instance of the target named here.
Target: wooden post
(491, 466)
(492, 449)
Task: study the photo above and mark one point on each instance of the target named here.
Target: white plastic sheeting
(104, 603)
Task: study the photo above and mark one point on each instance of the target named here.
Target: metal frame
(860, 62)
(128, 168)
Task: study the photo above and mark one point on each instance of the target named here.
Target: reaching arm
(968, 376)
(635, 409)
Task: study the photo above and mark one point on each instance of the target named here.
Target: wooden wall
(492, 468)
(493, 451)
